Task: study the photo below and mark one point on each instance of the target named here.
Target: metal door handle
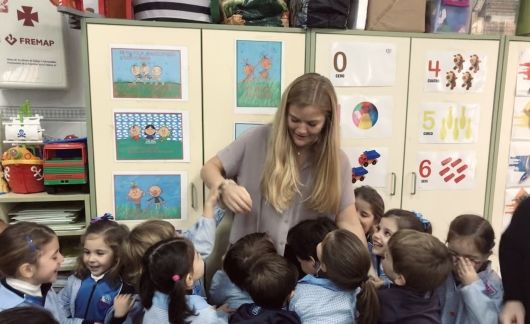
(193, 196)
(393, 179)
(413, 192)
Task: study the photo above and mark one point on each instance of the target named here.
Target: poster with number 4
(356, 64)
(455, 71)
(445, 170)
(448, 123)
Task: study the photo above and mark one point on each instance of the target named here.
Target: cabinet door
(244, 74)
(145, 98)
(370, 75)
(449, 122)
(513, 154)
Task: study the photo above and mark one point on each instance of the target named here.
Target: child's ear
(26, 271)
(400, 280)
(189, 281)
(322, 266)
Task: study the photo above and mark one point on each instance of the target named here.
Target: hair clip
(175, 277)
(424, 221)
(32, 246)
(105, 217)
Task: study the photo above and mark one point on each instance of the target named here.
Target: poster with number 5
(356, 64)
(455, 71)
(448, 123)
(445, 170)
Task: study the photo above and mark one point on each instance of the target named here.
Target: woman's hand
(465, 271)
(236, 197)
(512, 312)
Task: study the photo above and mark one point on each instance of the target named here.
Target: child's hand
(210, 203)
(225, 308)
(465, 271)
(123, 304)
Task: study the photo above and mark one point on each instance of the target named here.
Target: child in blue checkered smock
(341, 291)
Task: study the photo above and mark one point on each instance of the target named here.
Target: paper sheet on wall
(377, 175)
(457, 72)
(523, 74)
(448, 122)
(521, 119)
(519, 165)
(445, 170)
(512, 198)
(366, 117)
(357, 64)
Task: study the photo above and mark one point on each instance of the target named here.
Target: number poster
(455, 71)
(445, 170)
(355, 64)
(366, 117)
(448, 123)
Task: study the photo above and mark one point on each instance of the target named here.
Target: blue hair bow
(105, 217)
(424, 221)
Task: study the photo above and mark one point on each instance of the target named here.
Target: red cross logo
(28, 16)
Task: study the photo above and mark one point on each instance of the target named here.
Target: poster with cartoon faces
(366, 117)
(455, 71)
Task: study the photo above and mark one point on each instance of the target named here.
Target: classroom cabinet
(406, 98)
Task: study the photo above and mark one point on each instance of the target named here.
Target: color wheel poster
(521, 119)
(523, 74)
(442, 170)
(455, 71)
(369, 173)
(448, 123)
(366, 117)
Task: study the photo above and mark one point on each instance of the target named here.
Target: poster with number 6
(448, 123)
(455, 71)
(445, 170)
(355, 64)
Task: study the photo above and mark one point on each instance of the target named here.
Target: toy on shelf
(23, 170)
(65, 163)
(4, 187)
(24, 128)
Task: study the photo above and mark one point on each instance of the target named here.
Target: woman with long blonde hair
(276, 175)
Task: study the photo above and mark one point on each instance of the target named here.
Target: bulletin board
(145, 107)
(512, 157)
(244, 75)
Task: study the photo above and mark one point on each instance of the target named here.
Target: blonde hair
(281, 179)
(141, 238)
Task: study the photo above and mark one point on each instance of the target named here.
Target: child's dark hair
(410, 220)
(305, 236)
(27, 315)
(347, 262)
(241, 255)
(22, 243)
(115, 236)
(271, 280)
(421, 258)
(476, 227)
(371, 196)
(166, 266)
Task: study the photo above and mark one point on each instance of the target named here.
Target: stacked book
(59, 216)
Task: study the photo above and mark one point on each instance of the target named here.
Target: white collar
(25, 287)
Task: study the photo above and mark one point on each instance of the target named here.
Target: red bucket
(24, 177)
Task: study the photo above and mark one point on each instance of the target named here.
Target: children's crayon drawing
(149, 72)
(147, 195)
(259, 74)
(151, 136)
(521, 119)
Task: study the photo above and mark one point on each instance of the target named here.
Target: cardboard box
(396, 15)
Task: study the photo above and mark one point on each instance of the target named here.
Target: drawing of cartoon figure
(451, 80)
(146, 72)
(458, 60)
(3, 6)
(266, 64)
(467, 79)
(135, 71)
(150, 133)
(156, 74)
(134, 132)
(163, 133)
(135, 195)
(474, 61)
(156, 198)
(248, 70)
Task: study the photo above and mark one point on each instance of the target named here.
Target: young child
(271, 283)
(97, 284)
(473, 292)
(342, 288)
(27, 315)
(3, 226)
(170, 269)
(370, 208)
(228, 285)
(303, 239)
(30, 260)
(417, 263)
(391, 222)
